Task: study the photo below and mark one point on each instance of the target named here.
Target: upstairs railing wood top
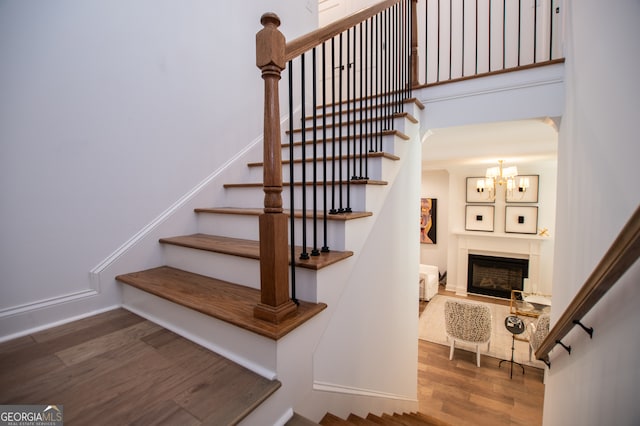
(622, 254)
(315, 38)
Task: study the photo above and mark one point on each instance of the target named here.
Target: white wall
(110, 112)
(369, 347)
(597, 170)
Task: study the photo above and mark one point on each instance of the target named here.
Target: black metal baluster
(450, 36)
(489, 45)
(362, 110)
(325, 246)
(348, 140)
(476, 36)
(519, 27)
(291, 188)
(314, 250)
(426, 42)
(304, 254)
(339, 159)
(535, 31)
(351, 172)
(463, 26)
(333, 131)
(364, 102)
(504, 33)
(550, 29)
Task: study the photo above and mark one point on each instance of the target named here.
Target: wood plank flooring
(117, 368)
(460, 393)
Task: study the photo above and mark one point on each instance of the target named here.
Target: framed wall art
(475, 196)
(527, 193)
(479, 218)
(428, 216)
(521, 219)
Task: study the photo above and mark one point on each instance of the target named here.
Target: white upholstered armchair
(429, 281)
(469, 323)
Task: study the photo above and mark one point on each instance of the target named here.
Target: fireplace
(496, 276)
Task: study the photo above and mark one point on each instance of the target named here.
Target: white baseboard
(349, 390)
(28, 322)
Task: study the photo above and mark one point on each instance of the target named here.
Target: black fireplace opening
(496, 276)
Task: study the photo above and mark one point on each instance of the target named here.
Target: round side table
(515, 326)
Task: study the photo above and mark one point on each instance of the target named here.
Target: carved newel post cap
(270, 18)
(270, 43)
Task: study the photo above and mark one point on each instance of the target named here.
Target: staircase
(405, 419)
(209, 282)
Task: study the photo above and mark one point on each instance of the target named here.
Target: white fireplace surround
(518, 246)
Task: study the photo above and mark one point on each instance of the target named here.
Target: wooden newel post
(275, 304)
(414, 44)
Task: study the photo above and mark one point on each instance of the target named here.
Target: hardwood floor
(460, 393)
(117, 368)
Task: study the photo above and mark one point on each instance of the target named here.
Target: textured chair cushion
(470, 322)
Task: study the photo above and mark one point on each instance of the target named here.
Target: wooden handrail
(315, 38)
(622, 254)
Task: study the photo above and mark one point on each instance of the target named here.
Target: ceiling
(515, 142)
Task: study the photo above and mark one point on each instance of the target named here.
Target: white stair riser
(385, 144)
(247, 227)
(373, 169)
(235, 269)
(252, 351)
(368, 126)
(253, 197)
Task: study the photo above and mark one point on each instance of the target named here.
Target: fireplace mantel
(497, 244)
(480, 234)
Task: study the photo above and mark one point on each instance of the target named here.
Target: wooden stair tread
(357, 122)
(296, 213)
(320, 159)
(285, 184)
(414, 100)
(332, 420)
(358, 136)
(250, 249)
(219, 299)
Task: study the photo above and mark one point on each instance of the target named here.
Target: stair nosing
(285, 184)
(248, 211)
(332, 158)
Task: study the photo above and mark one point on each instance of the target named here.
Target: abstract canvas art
(428, 210)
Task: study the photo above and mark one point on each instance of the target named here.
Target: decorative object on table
(469, 323)
(515, 326)
(479, 218)
(526, 191)
(528, 304)
(428, 210)
(521, 219)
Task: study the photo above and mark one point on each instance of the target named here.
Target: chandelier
(501, 176)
